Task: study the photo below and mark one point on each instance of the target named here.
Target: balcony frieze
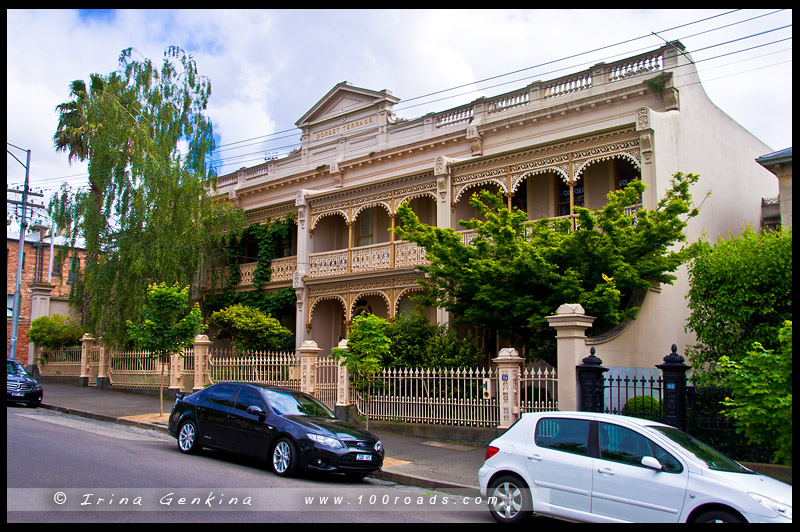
(389, 195)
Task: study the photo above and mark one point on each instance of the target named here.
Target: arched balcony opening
(464, 210)
(328, 324)
(603, 176)
(331, 233)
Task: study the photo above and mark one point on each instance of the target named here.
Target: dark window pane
(568, 435)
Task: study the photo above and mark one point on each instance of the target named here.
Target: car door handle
(535, 457)
(605, 471)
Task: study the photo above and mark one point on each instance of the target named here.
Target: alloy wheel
(281, 457)
(186, 437)
(509, 502)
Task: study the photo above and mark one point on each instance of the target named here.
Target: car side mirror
(651, 463)
(255, 410)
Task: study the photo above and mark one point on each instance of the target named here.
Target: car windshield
(297, 404)
(712, 458)
(15, 368)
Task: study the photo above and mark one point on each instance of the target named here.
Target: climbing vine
(268, 236)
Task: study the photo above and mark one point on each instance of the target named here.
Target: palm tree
(74, 135)
(74, 128)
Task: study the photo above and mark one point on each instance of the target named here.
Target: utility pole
(12, 348)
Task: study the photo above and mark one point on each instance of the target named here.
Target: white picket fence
(447, 396)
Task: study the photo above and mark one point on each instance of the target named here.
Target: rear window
(563, 434)
(220, 395)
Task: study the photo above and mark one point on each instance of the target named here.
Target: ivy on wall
(268, 236)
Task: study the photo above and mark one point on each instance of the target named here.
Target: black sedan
(20, 386)
(289, 429)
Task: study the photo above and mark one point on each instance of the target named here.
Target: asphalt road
(62, 468)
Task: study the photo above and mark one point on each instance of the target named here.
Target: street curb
(421, 482)
(106, 418)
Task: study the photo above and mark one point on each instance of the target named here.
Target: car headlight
(378, 446)
(333, 443)
(782, 508)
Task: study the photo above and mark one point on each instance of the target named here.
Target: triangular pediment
(344, 99)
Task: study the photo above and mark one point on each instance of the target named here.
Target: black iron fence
(669, 398)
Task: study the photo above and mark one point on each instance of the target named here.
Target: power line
(240, 158)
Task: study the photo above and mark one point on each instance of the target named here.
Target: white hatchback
(582, 466)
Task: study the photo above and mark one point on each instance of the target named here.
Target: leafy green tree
(166, 325)
(515, 272)
(367, 348)
(146, 215)
(54, 332)
(250, 329)
(740, 293)
(761, 394)
(415, 342)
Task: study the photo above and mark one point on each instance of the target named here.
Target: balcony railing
(375, 257)
(282, 270)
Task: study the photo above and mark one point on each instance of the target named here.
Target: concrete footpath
(427, 462)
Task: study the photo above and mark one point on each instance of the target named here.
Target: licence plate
(364, 457)
(17, 394)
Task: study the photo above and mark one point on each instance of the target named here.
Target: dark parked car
(20, 386)
(289, 429)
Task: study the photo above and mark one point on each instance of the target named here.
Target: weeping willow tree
(146, 215)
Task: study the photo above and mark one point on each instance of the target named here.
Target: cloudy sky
(267, 68)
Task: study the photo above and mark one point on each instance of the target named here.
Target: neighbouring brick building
(35, 269)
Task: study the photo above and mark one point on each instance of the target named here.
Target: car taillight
(491, 451)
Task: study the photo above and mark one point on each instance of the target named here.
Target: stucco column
(444, 211)
(308, 366)
(570, 322)
(175, 373)
(102, 367)
(87, 342)
(343, 379)
(301, 333)
(509, 366)
(200, 348)
(40, 306)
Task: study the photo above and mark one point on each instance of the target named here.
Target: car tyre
(284, 458)
(188, 438)
(719, 516)
(514, 503)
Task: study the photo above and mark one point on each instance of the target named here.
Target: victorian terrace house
(546, 147)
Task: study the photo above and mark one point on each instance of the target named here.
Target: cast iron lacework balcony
(282, 270)
(375, 257)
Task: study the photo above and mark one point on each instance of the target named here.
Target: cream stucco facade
(553, 142)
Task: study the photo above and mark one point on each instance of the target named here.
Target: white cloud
(267, 68)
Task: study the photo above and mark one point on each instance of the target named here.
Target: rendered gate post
(103, 381)
(201, 366)
(570, 322)
(87, 342)
(308, 351)
(343, 407)
(509, 364)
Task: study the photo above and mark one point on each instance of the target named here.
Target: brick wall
(61, 288)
